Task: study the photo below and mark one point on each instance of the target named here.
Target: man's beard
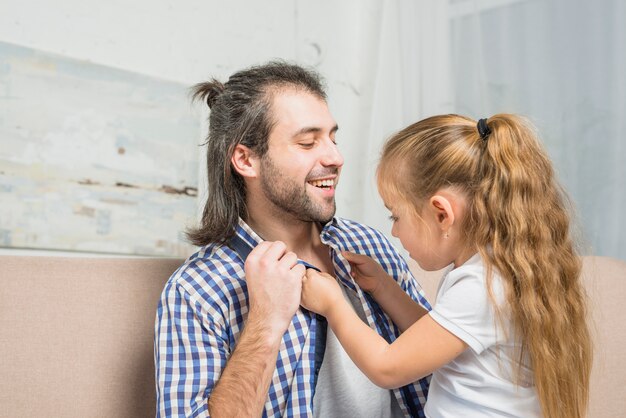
(291, 197)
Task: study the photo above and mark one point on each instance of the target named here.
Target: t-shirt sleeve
(464, 308)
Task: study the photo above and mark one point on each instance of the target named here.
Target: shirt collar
(244, 231)
(251, 237)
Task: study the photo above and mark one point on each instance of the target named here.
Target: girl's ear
(441, 207)
(244, 161)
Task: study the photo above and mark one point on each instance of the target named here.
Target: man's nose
(332, 157)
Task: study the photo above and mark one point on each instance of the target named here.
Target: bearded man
(231, 338)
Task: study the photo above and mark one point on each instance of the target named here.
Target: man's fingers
(266, 253)
(289, 260)
(258, 251)
(276, 250)
(299, 270)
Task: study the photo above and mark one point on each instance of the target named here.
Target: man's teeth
(322, 183)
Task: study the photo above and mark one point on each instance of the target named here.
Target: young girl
(508, 334)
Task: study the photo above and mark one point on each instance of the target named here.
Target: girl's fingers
(356, 259)
(350, 256)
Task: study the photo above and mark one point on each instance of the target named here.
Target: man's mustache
(322, 173)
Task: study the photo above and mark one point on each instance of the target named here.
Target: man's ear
(442, 209)
(244, 161)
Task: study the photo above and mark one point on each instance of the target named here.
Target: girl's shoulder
(471, 279)
(471, 272)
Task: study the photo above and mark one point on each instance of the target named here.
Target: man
(231, 339)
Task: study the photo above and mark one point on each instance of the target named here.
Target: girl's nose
(393, 231)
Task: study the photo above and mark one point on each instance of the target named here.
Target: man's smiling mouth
(323, 184)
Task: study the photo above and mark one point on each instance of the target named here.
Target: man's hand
(367, 273)
(274, 280)
(320, 292)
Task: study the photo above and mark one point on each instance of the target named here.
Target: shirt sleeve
(464, 308)
(190, 353)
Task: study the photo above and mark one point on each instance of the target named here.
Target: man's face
(301, 168)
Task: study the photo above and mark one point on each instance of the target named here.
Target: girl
(508, 334)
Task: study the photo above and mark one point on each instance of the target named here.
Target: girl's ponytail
(524, 227)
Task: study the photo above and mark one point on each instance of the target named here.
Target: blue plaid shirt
(204, 306)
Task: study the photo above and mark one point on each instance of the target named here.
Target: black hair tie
(483, 129)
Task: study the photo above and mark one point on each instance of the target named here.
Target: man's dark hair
(240, 114)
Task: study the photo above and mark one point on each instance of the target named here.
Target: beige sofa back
(76, 335)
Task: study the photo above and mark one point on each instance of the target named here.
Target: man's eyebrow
(314, 129)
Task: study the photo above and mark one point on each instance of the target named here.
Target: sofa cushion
(77, 335)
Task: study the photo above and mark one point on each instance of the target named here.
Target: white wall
(177, 40)
(191, 40)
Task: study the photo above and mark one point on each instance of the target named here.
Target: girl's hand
(367, 273)
(320, 292)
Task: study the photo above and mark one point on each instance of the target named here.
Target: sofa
(76, 334)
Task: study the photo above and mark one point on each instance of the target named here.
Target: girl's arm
(422, 348)
(371, 277)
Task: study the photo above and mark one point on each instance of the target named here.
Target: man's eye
(307, 144)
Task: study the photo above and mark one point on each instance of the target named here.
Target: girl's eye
(393, 218)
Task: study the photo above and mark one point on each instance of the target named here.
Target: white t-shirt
(480, 381)
(342, 390)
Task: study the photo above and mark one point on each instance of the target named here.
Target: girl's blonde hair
(518, 221)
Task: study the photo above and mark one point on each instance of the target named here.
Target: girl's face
(416, 236)
(427, 236)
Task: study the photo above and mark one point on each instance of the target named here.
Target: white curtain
(562, 63)
(410, 77)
